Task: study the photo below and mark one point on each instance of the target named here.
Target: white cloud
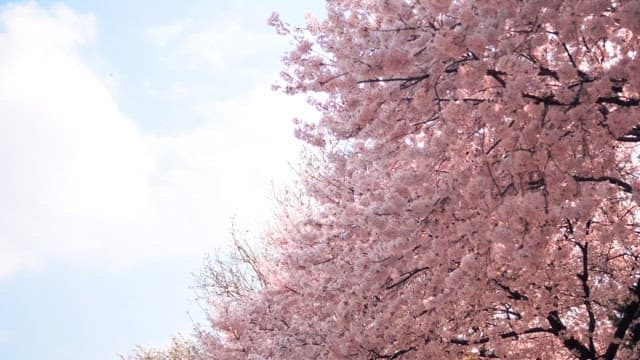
(217, 46)
(11, 261)
(81, 183)
(160, 36)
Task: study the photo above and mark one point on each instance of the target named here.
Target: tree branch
(496, 75)
(395, 355)
(627, 318)
(626, 187)
(615, 100)
(508, 335)
(584, 279)
(406, 276)
(547, 100)
(406, 81)
(511, 294)
(548, 72)
(571, 343)
(632, 136)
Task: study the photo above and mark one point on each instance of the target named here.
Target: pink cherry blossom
(477, 195)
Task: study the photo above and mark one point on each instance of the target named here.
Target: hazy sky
(130, 133)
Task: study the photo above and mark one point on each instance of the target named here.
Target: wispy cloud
(225, 45)
(161, 36)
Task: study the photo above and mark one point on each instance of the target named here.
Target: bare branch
(406, 276)
(626, 187)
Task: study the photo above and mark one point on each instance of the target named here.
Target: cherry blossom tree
(235, 275)
(181, 348)
(478, 196)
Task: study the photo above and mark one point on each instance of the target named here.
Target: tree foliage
(232, 276)
(479, 195)
(180, 349)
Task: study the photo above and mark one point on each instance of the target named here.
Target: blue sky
(131, 133)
